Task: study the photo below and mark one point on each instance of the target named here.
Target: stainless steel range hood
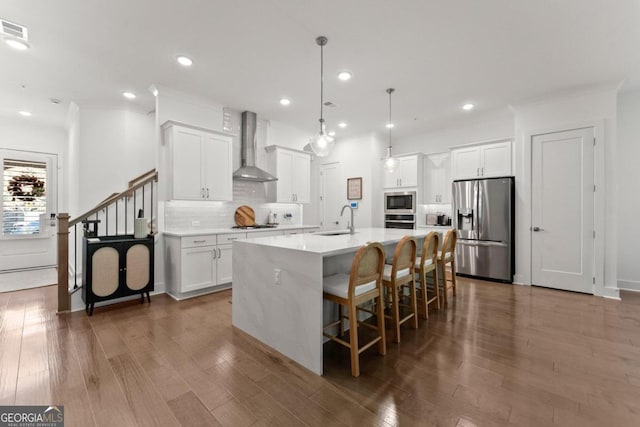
(248, 145)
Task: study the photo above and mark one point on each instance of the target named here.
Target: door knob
(538, 229)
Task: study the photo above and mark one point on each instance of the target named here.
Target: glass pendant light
(321, 144)
(390, 162)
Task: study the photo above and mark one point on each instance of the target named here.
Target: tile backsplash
(188, 215)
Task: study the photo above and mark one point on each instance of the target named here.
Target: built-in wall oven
(400, 210)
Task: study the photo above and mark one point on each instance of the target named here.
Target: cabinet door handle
(482, 170)
(232, 238)
(199, 241)
(219, 253)
(207, 192)
(214, 253)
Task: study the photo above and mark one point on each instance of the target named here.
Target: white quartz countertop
(444, 227)
(204, 231)
(333, 245)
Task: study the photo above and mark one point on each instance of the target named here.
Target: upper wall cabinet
(437, 178)
(201, 163)
(406, 174)
(482, 160)
(293, 170)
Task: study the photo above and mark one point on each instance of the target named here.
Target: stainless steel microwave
(400, 202)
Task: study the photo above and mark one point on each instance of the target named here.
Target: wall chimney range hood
(248, 145)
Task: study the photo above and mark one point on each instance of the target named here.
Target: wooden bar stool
(448, 256)
(427, 262)
(362, 285)
(399, 273)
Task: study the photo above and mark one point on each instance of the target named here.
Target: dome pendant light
(390, 162)
(321, 144)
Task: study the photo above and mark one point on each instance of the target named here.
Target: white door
(217, 168)
(285, 167)
(29, 197)
(496, 159)
(187, 165)
(224, 261)
(392, 180)
(562, 200)
(465, 162)
(431, 178)
(198, 268)
(444, 179)
(333, 195)
(408, 168)
(301, 169)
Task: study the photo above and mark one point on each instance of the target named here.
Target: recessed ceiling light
(129, 95)
(332, 133)
(55, 101)
(285, 101)
(25, 113)
(17, 44)
(185, 61)
(342, 125)
(468, 107)
(345, 75)
(390, 125)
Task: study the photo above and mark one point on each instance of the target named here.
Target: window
(24, 195)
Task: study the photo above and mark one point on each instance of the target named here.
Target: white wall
(485, 127)
(561, 113)
(26, 135)
(629, 198)
(359, 157)
(72, 183)
(114, 146)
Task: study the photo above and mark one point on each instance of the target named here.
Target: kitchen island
(277, 286)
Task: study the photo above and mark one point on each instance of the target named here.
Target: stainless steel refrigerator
(484, 215)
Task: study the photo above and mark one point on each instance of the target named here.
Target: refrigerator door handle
(482, 243)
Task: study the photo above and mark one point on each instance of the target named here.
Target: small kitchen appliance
(400, 202)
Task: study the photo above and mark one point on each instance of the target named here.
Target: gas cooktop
(253, 227)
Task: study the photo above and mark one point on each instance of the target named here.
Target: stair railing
(123, 208)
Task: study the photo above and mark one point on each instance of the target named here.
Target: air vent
(14, 30)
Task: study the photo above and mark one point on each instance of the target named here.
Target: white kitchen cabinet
(482, 160)
(195, 263)
(437, 178)
(201, 163)
(198, 268)
(224, 264)
(406, 174)
(293, 170)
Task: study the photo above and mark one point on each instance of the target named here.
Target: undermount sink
(332, 233)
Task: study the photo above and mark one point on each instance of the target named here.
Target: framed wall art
(354, 188)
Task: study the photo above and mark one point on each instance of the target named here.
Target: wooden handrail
(127, 193)
(144, 176)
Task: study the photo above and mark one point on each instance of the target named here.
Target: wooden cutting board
(245, 216)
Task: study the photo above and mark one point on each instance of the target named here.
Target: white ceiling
(437, 54)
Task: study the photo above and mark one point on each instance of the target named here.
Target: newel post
(64, 299)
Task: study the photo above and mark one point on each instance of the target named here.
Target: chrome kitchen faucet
(351, 226)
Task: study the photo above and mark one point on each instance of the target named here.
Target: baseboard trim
(629, 285)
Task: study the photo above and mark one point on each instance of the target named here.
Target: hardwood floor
(498, 355)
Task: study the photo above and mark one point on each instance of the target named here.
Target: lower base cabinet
(116, 267)
(195, 263)
(199, 264)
